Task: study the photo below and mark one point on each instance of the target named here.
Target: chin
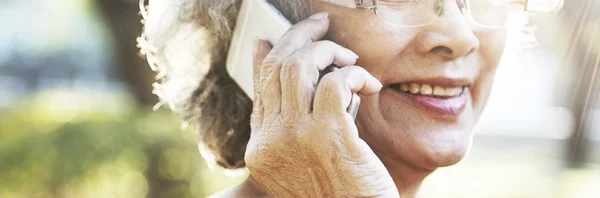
(432, 149)
(442, 153)
(420, 142)
(401, 127)
(423, 147)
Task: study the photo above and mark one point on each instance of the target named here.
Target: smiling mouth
(428, 90)
(448, 100)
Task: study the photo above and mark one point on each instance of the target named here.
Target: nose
(450, 36)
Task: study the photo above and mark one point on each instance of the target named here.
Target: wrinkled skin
(304, 143)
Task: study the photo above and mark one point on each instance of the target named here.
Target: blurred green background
(76, 116)
(65, 144)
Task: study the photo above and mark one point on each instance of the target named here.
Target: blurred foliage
(64, 144)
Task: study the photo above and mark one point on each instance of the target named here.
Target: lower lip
(453, 106)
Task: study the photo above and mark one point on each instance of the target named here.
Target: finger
(260, 50)
(257, 116)
(335, 89)
(300, 73)
(301, 34)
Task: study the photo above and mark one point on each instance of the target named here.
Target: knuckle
(330, 83)
(300, 26)
(353, 72)
(325, 50)
(323, 43)
(267, 69)
(291, 62)
(353, 69)
(296, 31)
(300, 30)
(290, 66)
(333, 76)
(269, 61)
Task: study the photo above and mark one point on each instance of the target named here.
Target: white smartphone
(258, 19)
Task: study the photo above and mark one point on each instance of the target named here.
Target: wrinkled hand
(303, 141)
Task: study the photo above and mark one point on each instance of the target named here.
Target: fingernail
(351, 53)
(378, 83)
(319, 16)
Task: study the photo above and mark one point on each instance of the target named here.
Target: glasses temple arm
(359, 5)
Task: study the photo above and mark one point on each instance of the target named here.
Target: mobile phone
(258, 19)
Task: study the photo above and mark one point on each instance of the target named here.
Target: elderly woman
(423, 70)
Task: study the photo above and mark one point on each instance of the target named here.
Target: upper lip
(441, 81)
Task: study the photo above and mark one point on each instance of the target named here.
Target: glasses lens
(409, 12)
(496, 13)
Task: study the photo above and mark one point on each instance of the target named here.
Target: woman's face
(451, 57)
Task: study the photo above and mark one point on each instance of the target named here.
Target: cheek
(491, 48)
(482, 89)
(491, 51)
(376, 49)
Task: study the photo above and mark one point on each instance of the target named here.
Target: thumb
(260, 49)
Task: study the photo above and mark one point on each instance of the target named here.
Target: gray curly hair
(186, 42)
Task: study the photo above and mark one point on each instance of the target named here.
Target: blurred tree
(124, 24)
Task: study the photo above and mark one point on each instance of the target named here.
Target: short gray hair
(186, 42)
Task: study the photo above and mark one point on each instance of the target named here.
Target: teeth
(428, 90)
(404, 87)
(453, 91)
(414, 88)
(438, 91)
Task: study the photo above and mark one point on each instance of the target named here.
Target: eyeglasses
(416, 13)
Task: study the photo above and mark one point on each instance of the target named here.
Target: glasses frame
(466, 9)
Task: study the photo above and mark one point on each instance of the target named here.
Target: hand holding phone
(304, 142)
(259, 20)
